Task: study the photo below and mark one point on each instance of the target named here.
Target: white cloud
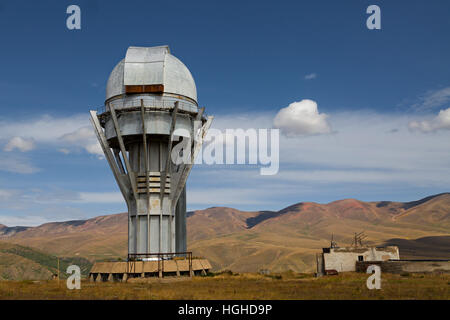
(310, 76)
(81, 134)
(65, 134)
(30, 207)
(302, 118)
(364, 141)
(22, 220)
(101, 197)
(20, 143)
(6, 194)
(85, 138)
(432, 99)
(362, 156)
(16, 164)
(440, 122)
(288, 178)
(94, 148)
(370, 153)
(45, 129)
(63, 196)
(233, 197)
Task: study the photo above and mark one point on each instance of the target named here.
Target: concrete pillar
(180, 223)
(320, 265)
(111, 277)
(91, 278)
(125, 277)
(99, 278)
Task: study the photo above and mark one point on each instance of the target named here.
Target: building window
(360, 258)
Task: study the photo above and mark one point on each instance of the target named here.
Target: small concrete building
(344, 259)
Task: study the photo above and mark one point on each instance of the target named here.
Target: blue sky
(381, 91)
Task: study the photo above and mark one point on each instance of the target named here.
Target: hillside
(24, 263)
(249, 241)
(94, 239)
(423, 248)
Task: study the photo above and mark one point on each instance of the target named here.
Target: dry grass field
(225, 286)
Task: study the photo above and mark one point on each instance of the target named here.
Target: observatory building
(150, 130)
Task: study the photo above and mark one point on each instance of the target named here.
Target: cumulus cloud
(20, 143)
(302, 118)
(310, 76)
(440, 122)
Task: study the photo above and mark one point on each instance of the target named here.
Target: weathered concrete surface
(151, 65)
(344, 259)
(180, 224)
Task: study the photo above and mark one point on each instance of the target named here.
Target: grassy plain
(226, 286)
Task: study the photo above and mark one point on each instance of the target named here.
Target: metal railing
(160, 257)
(167, 103)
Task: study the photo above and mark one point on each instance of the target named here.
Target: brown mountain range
(275, 240)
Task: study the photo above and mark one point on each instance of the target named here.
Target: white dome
(149, 66)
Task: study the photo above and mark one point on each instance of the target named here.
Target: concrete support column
(99, 278)
(320, 265)
(180, 223)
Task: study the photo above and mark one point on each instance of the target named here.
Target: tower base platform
(124, 270)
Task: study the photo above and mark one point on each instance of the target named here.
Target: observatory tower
(150, 108)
